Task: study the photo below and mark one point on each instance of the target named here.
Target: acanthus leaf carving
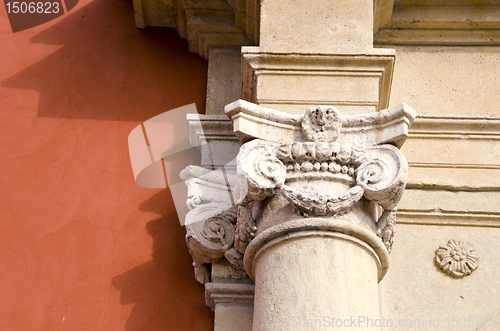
(380, 174)
(386, 228)
(245, 226)
(235, 258)
(342, 170)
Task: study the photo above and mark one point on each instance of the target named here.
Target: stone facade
(306, 208)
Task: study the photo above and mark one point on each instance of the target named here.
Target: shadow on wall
(163, 289)
(109, 70)
(105, 70)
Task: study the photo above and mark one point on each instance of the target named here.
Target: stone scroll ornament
(377, 173)
(211, 221)
(457, 258)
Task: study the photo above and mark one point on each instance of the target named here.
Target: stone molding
(453, 126)
(213, 136)
(448, 218)
(205, 24)
(203, 128)
(465, 135)
(338, 71)
(436, 22)
(322, 228)
(476, 184)
(228, 293)
(251, 121)
(236, 23)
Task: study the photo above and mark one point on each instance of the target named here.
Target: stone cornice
(221, 23)
(436, 22)
(452, 126)
(205, 24)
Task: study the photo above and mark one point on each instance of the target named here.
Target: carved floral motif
(377, 173)
(245, 227)
(322, 123)
(385, 228)
(457, 258)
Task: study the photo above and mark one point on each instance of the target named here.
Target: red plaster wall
(82, 247)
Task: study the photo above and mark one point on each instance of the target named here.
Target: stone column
(311, 212)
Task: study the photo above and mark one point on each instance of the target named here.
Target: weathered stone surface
(224, 79)
(413, 260)
(437, 22)
(212, 135)
(289, 273)
(316, 174)
(230, 316)
(448, 80)
(318, 179)
(319, 26)
(452, 149)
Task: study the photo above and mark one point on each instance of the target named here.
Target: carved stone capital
(321, 163)
(318, 165)
(211, 222)
(210, 239)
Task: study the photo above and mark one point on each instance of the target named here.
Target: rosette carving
(457, 258)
